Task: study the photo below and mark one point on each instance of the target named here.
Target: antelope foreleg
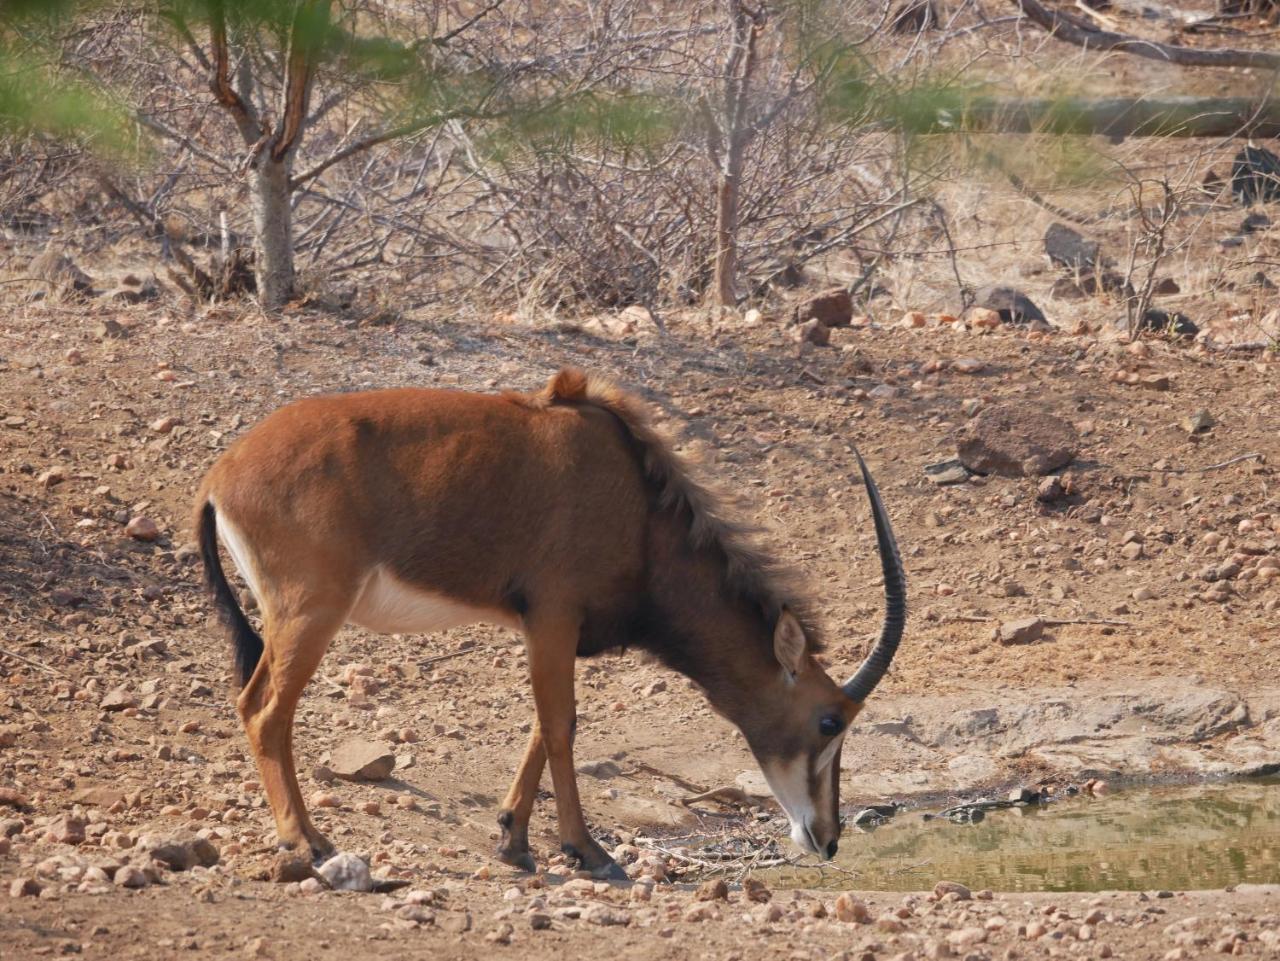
(517, 807)
(552, 652)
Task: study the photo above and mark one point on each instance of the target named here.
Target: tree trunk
(272, 230)
(726, 263)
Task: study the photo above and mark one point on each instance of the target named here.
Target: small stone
(501, 934)
(130, 877)
(966, 937)
(968, 365)
(814, 332)
(1023, 631)
(346, 872)
(1199, 422)
(852, 910)
(179, 853)
(118, 699)
(1156, 381)
(52, 477)
(290, 868)
(1049, 490)
(1144, 594)
(69, 830)
(947, 472)
(25, 888)
(311, 886)
(165, 425)
(756, 890)
(1131, 551)
(142, 529)
(539, 921)
(323, 799)
(1035, 930)
(654, 687)
(984, 318)
(359, 759)
(714, 890)
(961, 892)
(832, 308)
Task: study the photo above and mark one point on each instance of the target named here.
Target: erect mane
(750, 572)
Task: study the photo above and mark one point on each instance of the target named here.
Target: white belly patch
(387, 605)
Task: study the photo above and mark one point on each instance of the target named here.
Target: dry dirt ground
(117, 705)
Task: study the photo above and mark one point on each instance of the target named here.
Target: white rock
(346, 872)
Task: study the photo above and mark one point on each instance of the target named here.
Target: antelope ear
(789, 642)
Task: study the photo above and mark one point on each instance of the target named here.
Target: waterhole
(1176, 838)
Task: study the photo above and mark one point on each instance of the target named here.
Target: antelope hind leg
(293, 648)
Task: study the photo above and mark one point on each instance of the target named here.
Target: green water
(1176, 838)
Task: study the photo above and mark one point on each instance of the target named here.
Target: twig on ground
(1049, 621)
(30, 663)
(1201, 470)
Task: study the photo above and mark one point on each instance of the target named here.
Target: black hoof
(610, 871)
(518, 859)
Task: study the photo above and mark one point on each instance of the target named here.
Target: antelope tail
(247, 642)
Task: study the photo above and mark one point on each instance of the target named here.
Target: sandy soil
(1173, 683)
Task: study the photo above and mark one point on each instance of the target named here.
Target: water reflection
(1204, 836)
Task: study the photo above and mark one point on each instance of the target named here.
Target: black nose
(831, 849)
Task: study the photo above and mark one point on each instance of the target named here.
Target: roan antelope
(562, 514)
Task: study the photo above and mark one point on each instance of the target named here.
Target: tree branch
(1073, 30)
(305, 40)
(220, 81)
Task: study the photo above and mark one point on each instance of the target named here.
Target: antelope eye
(830, 725)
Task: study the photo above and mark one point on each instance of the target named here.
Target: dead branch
(1071, 29)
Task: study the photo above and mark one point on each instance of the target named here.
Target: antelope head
(798, 726)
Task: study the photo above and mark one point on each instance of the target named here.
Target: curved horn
(860, 686)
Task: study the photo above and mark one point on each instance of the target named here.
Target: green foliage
(629, 122)
(36, 100)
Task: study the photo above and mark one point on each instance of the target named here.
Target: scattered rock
(943, 888)
(1049, 490)
(52, 477)
(130, 876)
(1023, 631)
(714, 890)
(1016, 441)
(831, 308)
(142, 529)
(25, 888)
(1199, 422)
(947, 472)
(604, 769)
(179, 853)
(756, 891)
(290, 867)
(359, 759)
(1013, 306)
(814, 332)
(968, 365)
(852, 910)
(346, 872)
(1068, 248)
(1255, 176)
(1169, 322)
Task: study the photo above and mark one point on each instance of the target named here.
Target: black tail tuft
(248, 644)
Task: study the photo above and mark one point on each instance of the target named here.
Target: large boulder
(1013, 306)
(1016, 441)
